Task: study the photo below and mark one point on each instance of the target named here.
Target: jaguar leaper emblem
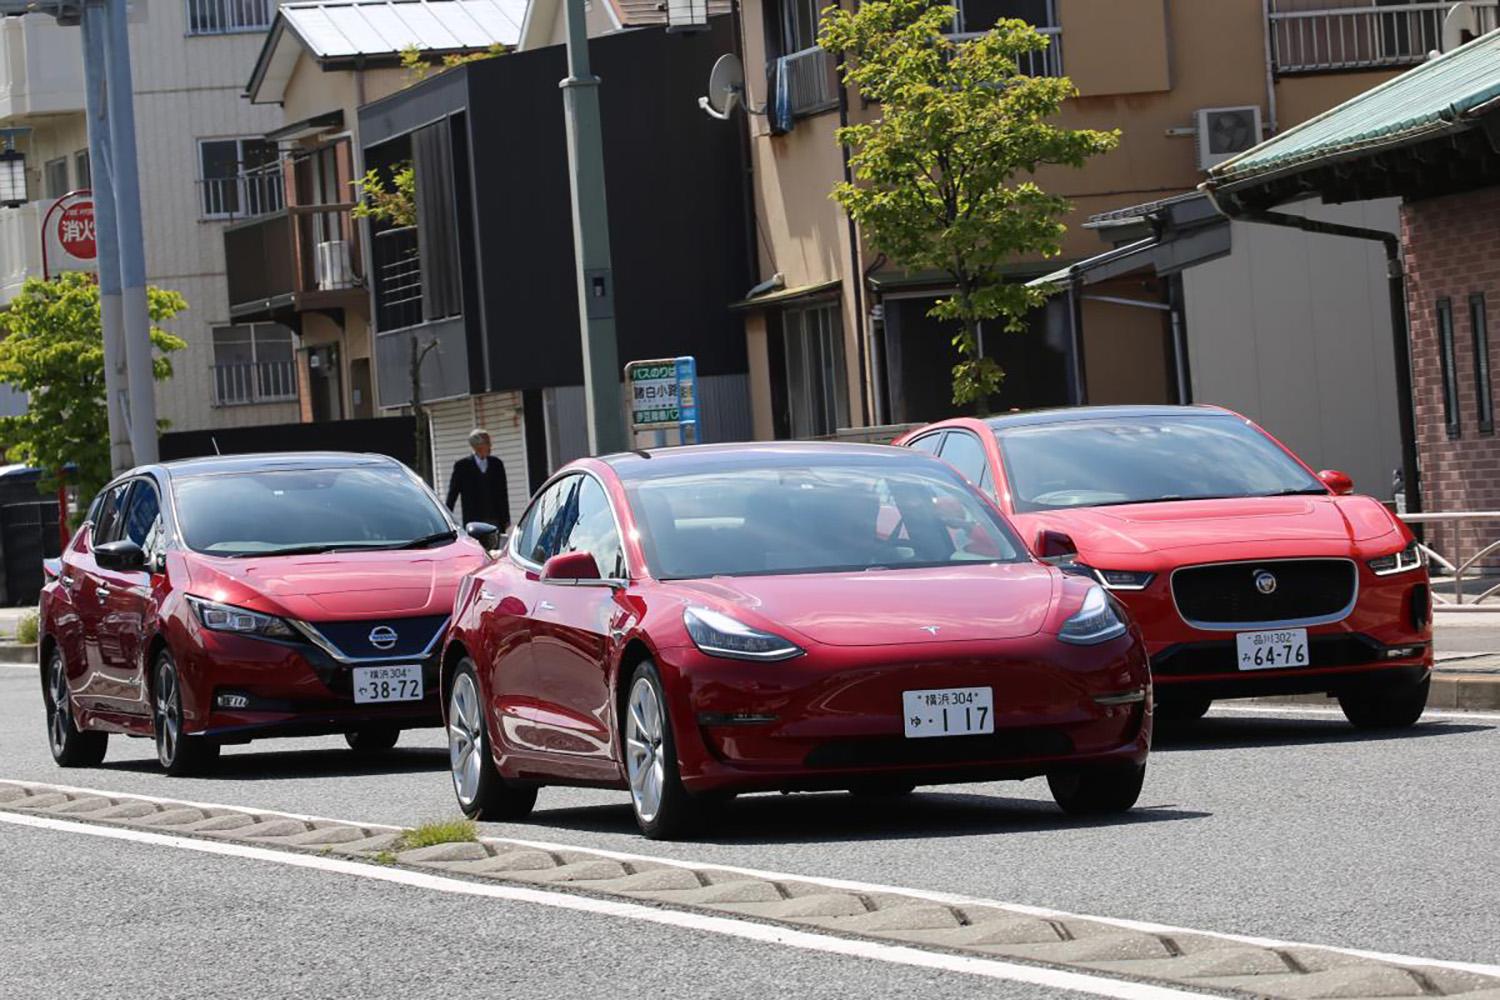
(1265, 581)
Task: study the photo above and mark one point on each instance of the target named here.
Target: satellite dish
(726, 87)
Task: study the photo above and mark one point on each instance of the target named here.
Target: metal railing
(1043, 62)
(245, 195)
(1360, 37)
(398, 278)
(1453, 572)
(223, 17)
(811, 81)
(254, 382)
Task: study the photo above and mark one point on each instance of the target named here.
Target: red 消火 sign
(75, 230)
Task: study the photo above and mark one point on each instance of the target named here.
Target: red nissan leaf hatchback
(694, 622)
(222, 600)
(1248, 573)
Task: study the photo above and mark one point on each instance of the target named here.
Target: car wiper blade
(1296, 492)
(425, 540)
(291, 550)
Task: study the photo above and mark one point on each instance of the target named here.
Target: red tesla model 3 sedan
(222, 600)
(695, 622)
(1248, 573)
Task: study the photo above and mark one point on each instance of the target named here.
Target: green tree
(53, 349)
(944, 176)
(418, 66)
(394, 203)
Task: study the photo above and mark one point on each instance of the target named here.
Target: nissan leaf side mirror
(123, 556)
(1337, 481)
(484, 533)
(571, 567)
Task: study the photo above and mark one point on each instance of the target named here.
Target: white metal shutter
(499, 413)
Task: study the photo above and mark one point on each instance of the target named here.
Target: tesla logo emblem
(931, 629)
(1265, 581)
(384, 637)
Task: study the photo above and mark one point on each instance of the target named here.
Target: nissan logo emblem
(384, 637)
(1265, 581)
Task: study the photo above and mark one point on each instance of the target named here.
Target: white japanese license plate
(948, 712)
(399, 683)
(1272, 650)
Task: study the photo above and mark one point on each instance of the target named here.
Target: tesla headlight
(718, 634)
(1124, 579)
(1408, 558)
(1097, 621)
(228, 618)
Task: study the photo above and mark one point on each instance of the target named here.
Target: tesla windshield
(809, 518)
(1092, 463)
(291, 511)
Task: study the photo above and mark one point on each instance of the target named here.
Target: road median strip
(1204, 964)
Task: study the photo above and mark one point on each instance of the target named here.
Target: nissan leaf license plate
(948, 712)
(398, 683)
(1272, 650)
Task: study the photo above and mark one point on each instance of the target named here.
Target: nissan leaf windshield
(302, 511)
(1121, 460)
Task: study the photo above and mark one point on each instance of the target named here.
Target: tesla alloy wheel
(178, 753)
(71, 747)
(482, 792)
(663, 808)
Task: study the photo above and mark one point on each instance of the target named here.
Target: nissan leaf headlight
(242, 621)
(1407, 559)
(1095, 622)
(718, 634)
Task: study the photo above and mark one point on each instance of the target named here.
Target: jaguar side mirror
(1337, 481)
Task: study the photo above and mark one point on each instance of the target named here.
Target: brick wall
(1452, 250)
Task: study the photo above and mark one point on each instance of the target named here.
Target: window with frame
(586, 523)
(817, 389)
(538, 529)
(253, 363)
(963, 451)
(224, 17)
(975, 16)
(106, 513)
(1483, 389)
(83, 171)
(1449, 364)
(239, 177)
(55, 177)
(142, 513)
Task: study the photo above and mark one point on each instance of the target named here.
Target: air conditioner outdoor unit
(332, 265)
(1226, 132)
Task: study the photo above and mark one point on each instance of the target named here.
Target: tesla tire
(372, 739)
(1394, 707)
(1097, 791)
(71, 746)
(482, 793)
(664, 810)
(179, 754)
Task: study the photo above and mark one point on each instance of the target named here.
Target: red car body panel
(551, 677)
(292, 687)
(1389, 612)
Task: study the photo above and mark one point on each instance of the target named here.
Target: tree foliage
(944, 176)
(418, 66)
(394, 202)
(53, 349)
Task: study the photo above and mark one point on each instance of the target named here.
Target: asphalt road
(1467, 633)
(1290, 826)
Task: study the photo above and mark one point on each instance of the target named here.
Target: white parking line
(1318, 711)
(845, 885)
(724, 926)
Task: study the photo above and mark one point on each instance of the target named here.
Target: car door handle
(545, 606)
(102, 592)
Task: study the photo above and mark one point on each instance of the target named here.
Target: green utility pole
(596, 285)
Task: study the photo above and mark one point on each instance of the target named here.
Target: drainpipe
(1265, 21)
(1400, 333)
(861, 341)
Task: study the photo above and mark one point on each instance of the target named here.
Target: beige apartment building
(198, 145)
(838, 335)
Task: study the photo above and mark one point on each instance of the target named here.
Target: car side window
(142, 511)
(533, 534)
(107, 517)
(590, 528)
(927, 443)
(963, 451)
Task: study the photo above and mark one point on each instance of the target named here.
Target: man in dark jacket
(479, 480)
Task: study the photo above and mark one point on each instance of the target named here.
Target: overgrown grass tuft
(446, 831)
(26, 629)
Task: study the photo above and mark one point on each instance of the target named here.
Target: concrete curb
(15, 652)
(1204, 963)
(1452, 689)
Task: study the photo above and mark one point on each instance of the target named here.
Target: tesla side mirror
(484, 533)
(123, 556)
(1337, 481)
(570, 567)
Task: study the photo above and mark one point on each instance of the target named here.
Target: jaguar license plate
(1275, 649)
(948, 712)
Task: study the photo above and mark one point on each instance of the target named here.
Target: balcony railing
(398, 279)
(1043, 62)
(254, 382)
(1361, 37)
(300, 252)
(223, 17)
(245, 195)
(20, 247)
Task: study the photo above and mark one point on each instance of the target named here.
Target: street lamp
(687, 16)
(12, 176)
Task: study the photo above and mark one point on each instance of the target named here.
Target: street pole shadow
(280, 765)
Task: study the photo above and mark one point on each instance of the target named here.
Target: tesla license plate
(949, 712)
(402, 683)
(1286, 647)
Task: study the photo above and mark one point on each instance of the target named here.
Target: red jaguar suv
(694, 622)
(222, 600)
(1248, 573)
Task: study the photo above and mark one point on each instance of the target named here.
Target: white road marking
(725, 926)
(844, 885)
(1229, 709)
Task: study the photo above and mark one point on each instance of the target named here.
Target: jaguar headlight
(1124, 579)
(1404, 561)
(1095, 622)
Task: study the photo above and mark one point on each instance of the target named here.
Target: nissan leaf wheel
(180, 754)
(372, 739)
(71, 746)
(482, 793)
